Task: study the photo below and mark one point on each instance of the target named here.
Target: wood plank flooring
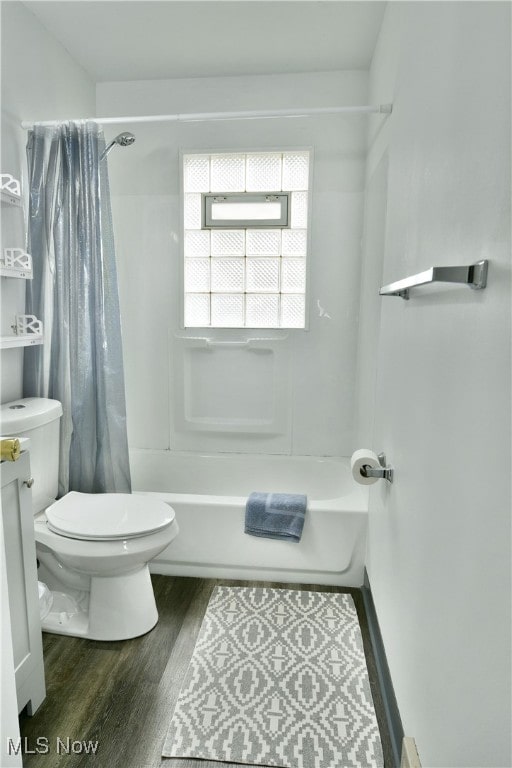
(122, 694)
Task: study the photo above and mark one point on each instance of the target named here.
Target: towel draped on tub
(275, 515)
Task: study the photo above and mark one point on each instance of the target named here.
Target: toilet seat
(107, 516)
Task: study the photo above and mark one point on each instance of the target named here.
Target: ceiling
(158, 39)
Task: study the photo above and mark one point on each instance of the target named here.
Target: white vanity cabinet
(21, 567)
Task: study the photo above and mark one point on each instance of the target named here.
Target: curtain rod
(207, 116)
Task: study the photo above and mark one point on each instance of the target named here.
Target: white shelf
(26, 340)
(25, 274)
(8, 198)
(10, 189)
(15, 262)
(29, 332)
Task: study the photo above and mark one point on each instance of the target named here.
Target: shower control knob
(29, 483)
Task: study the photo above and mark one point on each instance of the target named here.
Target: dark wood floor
(122, 694)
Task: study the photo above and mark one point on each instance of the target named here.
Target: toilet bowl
(94, 549)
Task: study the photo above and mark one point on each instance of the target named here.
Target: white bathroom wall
(40, 81)
(311, 374)
(434, 376)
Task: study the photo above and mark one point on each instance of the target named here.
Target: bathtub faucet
(386, 473)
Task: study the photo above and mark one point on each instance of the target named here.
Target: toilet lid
(108, 515)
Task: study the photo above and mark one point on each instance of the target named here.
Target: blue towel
(275, 515)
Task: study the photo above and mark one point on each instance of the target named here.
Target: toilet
(93, 549)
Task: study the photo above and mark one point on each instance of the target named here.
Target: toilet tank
(37, 418)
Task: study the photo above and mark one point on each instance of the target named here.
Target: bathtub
(209, 492)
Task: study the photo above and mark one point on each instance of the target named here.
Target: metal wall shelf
(474, 275)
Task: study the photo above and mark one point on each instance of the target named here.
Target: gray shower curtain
(74, 292)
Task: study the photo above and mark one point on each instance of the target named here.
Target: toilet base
(115, 608)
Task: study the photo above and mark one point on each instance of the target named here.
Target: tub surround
(287, 392)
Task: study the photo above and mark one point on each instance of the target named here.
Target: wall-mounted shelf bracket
(27, 331)
(10, 189)
(15, 262)
(474, 275)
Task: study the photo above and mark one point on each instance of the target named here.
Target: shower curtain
(74, 292)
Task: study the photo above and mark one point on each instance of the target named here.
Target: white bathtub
(209, 492)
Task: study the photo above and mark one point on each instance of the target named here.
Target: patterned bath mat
(278, 677)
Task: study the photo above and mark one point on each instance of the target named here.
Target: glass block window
(244, 276)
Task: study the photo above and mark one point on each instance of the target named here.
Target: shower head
(123, 139)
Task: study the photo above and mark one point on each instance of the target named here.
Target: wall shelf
(7, 198)
(15, 262)
(30, 340)
(28, 332)
(10, 190)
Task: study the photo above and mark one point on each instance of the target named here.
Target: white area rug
(278, 677)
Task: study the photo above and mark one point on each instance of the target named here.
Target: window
(245, 239)
(245, 210)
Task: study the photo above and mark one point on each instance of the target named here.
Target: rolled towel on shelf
(10, 449)
(275, 515)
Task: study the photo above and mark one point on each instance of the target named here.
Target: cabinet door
(9, 726)
(20, 559)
